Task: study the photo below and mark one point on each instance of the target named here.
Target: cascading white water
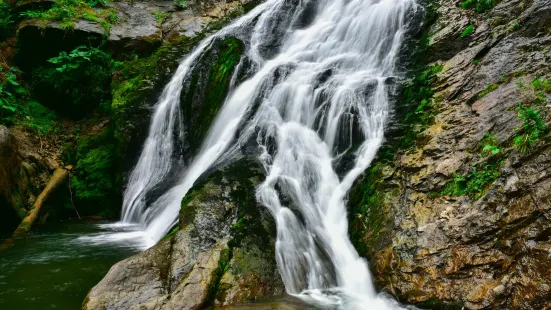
(322, 92)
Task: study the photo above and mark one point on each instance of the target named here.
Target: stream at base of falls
(53, 268)
(58, 263)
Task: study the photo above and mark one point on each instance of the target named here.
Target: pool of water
(57, 264)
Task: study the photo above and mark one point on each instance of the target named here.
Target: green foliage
(16, 109)
(514, 26)
(368, 207)
(490, 146)
(474, 183)
(37, 118)
(172, 232)
(180, 3)
(532, 130)
(481, 6)
(94, 176)
(7, 20)
(80, 78)
(468, 4)
(10, 91)
(482, 175)
(490, 88)
(66, 12)
(467, 31)
(418, 97)
(541, 85)
(160, 16)
(217, 87)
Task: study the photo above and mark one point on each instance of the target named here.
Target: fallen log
(58, 178)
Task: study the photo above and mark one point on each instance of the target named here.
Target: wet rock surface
(223, 252)
(485, 251)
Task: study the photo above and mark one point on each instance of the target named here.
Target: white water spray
(320, 93)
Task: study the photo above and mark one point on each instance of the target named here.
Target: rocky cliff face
(461, 218)
(222, 253)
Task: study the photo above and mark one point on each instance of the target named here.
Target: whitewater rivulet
(316, 93)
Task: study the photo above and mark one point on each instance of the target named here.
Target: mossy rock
(205, 91)
(248, 268)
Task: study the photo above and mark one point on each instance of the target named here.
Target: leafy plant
(80, 78)
(180, 3)
(10, 91)
(467, 31)
(68, 11)
(37, 118)
(541, 85)
(490, 145)
(94, 175)
(481, 6)
(467, 4)
(490, 88)
(514, 26)
(532, 130)
(160, 16)
(418, 97)
(475, 182)
(6, 20)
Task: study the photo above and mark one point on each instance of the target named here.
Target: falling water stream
(321, 93)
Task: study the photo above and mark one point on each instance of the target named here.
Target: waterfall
(317, 92)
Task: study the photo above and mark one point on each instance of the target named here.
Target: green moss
(533, 128)
(67, 12)
(490, 88)
(418, 98)
(541, 85)
(213, 92)
(160, 16)
(476, 182)
(187, 208)
(96, 179)
(368, 208)
(172, 233)
(467, 31)
(223, 265)
(481, 6)
(480, 178)
(370, 198)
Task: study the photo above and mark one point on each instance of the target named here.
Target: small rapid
(319, 99)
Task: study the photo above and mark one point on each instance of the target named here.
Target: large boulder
(223, 252)
(433, 245)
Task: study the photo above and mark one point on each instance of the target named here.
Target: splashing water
(318, 96)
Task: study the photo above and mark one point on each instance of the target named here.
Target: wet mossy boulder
(207, 87)
(221, 254)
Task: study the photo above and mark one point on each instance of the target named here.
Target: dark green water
(53, 269)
